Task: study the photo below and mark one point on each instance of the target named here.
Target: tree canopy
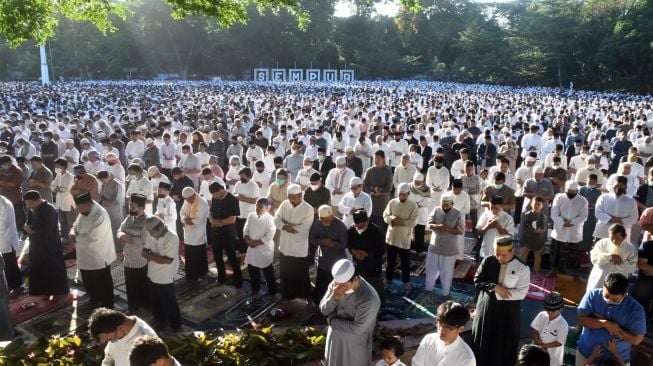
(593, 43)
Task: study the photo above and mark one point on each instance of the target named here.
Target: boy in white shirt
(258, 234)
(550, 328)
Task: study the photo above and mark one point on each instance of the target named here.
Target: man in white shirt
(207, 178)
(119, 332)
(337, 181)
(71, 154)
(437, 178)
(136, 147)
(93, 238)
(397, 148)
(615, 208)
(294, 218)
(61, 185)
(261, 177)
(193, 215)
(190, 164)
(403, 173)
(493, 223)
(167, 152)
(166, 208)
(247, 193)
(141, 185)
(354, 200)
(569, 212)
(161, 250)
(258, 233)
(445, 347)
(8, 244)
(254, 153)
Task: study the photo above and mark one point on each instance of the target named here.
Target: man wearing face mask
(351, 306)
(366, 244)
(91, 233)
(323, 164)
(499, 189)
(569, 211)
(447, 224)
(112, 198)
(337, 182)
(615, 208)
(437, 179)
(138, 183)
(293, 162)
(401, 215)
(590, 168)
(328, 240)
(132, 234)
(610, 314)
(502, 281)
(304, 175)
(247, 193)
(317, 195)
(378, 184)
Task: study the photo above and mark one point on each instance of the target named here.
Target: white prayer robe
(601, 256)
(94, 239)
(574, 210)
(260, 228)
(610, 206)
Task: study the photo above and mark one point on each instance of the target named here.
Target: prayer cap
(263, 201)
(553, 301)
(341, 160)
(83, 198)
(418, 177)
(343, 270)
(571, 185)
(503, 242)
(315, 177)
(496, 200)
(188, 192)
(324, 211)
(404, 188)
(215, 187)
(151, 222)
(360, 215)
(447, 197)
(294, 189)
(355, 181)
(31, 195)
(138, 198)
(151, 171)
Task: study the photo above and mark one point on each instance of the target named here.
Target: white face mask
(360, 231)
(315, 187)
(57, 170)
(590, 166)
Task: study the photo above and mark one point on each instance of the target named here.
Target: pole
(45, 77)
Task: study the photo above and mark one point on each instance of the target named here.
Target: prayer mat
(28, 307)
(464, 271)
(540, 286)
(245, 312)
(571, 290)
(212, 300)
(184, 288)
(414, 303)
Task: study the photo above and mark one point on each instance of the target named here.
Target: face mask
(5, 166)
(315, 187)
(57, 170)
(498, 186)
(360, 231)
(132, 177)
(280, 182)
(321, 157)
(610, 302)
(243, 180)
(590, 166)
(308, 167)
(295, 152)
(571, 195)
(47, 139)
(133, 213)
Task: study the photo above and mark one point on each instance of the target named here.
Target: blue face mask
(498, 186)
(280, 182)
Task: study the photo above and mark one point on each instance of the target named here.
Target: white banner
(312, 75)
(346, 75)
(278, 75)
(295, 74)
(330, 75)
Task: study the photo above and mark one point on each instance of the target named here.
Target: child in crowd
(550, 328)
(532, 233)
(391, 350)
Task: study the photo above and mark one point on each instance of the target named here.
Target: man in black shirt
(316, 194)
(224, 211)
(367, 245)
(179, 182)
